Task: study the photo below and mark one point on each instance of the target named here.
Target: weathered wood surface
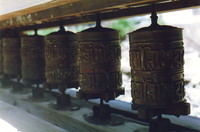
(73, 121)
(74, 9)
(33, 8)
(70, 120)
(84, 11)
(23, 121)
(114, 14)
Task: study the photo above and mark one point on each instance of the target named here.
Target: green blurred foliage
(160, 20)
(124, 26)
(47, 31)
(42, 32)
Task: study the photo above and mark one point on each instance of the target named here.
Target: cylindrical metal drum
(99, 60)
(1, 56)
(32, 55)
(11, 56)
(156, 60)
(61, 59)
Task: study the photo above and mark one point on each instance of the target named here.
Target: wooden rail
(35, 8)
(82, 11)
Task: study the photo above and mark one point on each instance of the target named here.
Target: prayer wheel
(156, 60)
(61, 59)
(11, 56)
(99, 59)
(32, 55)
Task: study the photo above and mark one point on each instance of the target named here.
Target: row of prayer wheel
(91, 60)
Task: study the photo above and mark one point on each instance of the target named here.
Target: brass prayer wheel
(99, 59)
(11, 55)
(156, 60)
(32, 55)
(61, 58)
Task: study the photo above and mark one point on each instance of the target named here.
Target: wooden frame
(85, 11)
(36, 8)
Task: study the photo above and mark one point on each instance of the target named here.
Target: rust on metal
(99, 60)
(32, 55)
(61, 59)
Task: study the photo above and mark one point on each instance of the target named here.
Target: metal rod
(159, 116)
(35, 30)
(101, 101)
(62, 28)
(154, 17)
(98, 21)
(37, 85)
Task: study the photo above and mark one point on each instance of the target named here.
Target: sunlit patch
(6, 127)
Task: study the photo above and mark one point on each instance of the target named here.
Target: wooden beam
(73, 9)
(74, 121)
(36, 8)
(20, 120)
(88, 13)
(114, 14)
